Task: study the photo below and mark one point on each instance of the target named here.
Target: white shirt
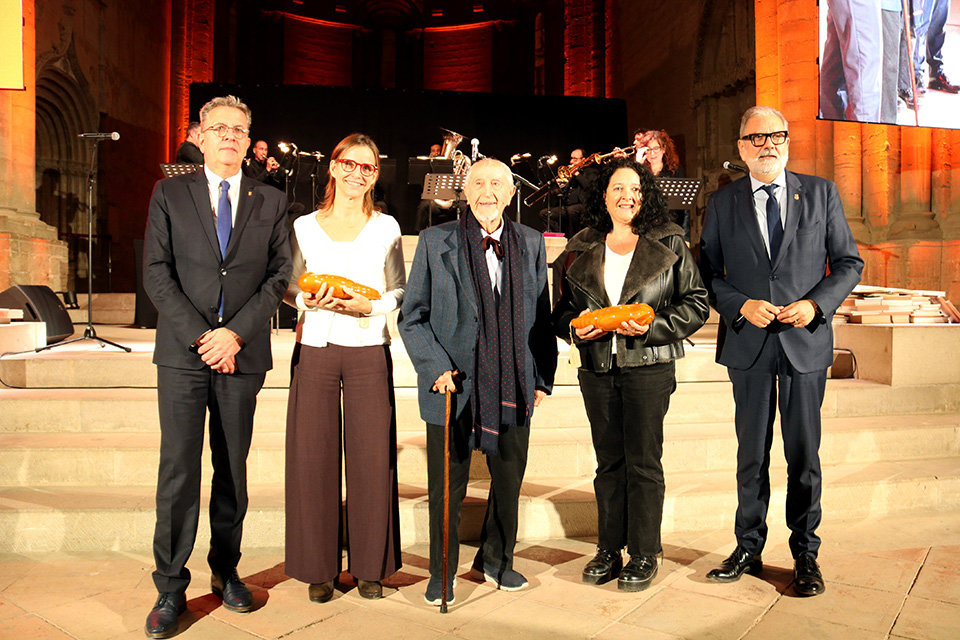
(213, 186)
(494, 264)
(615, 268)
(760, 205)
(364, 260)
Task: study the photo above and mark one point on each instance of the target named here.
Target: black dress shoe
(637, 574)
(321, 592)
(162, 621)
(939, 82)
(235, 595)
(370, 589)
(604, 567)
(807, 580)
(907, 97)
(738, 563)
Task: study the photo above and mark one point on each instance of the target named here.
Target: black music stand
(681, 193)
(173, 169)
(444, 186)
(418, 168)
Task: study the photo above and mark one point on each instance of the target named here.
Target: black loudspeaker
(39, 304)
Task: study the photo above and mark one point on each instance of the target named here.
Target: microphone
(113, 135)
(517, 157)
(474, 149)
(729, 166)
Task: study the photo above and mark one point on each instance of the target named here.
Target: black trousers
(626, 409)
(499, 533)
(183, 397)
(755, 391)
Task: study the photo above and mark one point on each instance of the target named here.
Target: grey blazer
(439, 316)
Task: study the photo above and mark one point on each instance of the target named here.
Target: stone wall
(29, 250)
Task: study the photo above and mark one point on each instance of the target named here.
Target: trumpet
(565, 173)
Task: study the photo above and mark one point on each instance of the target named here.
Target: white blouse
(374, 258)
(615, 268)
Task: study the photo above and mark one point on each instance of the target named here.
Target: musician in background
(261, 167)
(189, 150)
(436, 150)
(660, 157)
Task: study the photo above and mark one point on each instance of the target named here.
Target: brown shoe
(370, 589)
(321, 592)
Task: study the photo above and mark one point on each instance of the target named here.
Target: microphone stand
(523, 183)
(89, 333)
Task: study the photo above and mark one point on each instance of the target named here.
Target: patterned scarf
(499, 373)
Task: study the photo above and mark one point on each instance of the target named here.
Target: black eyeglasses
(760, 139)
(221, 130)
(366, 170)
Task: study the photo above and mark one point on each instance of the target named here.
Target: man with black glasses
(216, 263)
(767, 244)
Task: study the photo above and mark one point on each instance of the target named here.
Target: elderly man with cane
(476, 322)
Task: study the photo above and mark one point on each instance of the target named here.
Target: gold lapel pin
(796, 196)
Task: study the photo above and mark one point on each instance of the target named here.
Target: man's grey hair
(760, 110)
(225, 101)
(504, 169)
(192, 127)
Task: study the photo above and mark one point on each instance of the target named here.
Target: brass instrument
(565, 173)
(461, 162)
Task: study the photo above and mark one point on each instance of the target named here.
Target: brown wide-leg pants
(369, 444)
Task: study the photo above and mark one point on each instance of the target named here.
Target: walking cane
(446, 502)
(913, 78)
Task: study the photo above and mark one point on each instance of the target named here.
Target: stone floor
(886, 578)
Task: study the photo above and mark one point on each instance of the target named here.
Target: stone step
(87, 365)
(130, 459)
(45, 519)
(135, 410)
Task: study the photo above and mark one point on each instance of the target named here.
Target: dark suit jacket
(735, 267)
(439, 317)
(183, 272)
(189, 153)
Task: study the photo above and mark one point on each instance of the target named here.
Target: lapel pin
(249, 193)
(796, 196)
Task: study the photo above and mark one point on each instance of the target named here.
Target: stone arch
(724, 87)
(64, 108)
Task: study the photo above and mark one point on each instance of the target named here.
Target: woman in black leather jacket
(630, 252)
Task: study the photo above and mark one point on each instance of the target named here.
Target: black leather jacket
(662, 274)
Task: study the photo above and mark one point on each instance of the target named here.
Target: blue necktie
(224, 226)
(774, 225)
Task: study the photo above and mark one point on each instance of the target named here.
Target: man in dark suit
(189, 150)
(778, 258)
(475, 321)
(216, 263)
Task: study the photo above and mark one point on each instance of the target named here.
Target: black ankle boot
(604, 566)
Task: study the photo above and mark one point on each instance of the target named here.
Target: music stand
(418, 168)
(681, 193)
(89, 333)
(173, 169)
(444, 186)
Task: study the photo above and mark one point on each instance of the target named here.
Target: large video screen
(890, 62)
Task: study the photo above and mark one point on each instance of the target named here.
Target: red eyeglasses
(366, 170)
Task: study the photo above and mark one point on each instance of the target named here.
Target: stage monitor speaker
(39, 304)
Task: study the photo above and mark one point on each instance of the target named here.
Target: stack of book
(883, 305)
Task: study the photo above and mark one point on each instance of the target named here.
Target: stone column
(30, 252)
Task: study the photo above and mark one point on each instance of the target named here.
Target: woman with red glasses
(343, 354)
